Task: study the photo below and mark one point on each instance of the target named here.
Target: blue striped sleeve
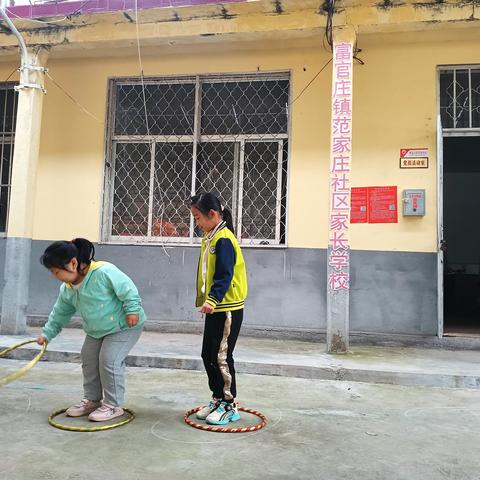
(224, 265)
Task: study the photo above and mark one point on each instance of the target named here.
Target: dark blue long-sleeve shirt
(224, 265)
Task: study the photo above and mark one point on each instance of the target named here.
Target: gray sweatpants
(103, 364)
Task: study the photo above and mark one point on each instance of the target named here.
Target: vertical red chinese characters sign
(341, 151)
(338, 268)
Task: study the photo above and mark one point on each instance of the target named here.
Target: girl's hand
(41, 340)
(132, 319)
(207, 308)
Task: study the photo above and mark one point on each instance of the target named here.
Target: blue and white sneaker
(224, 413)
(204, 412)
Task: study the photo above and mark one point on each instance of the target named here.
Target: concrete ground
(318, 429)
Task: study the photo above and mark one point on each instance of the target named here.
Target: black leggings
(219, 339)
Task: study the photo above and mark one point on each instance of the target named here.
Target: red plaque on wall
(374, 205)
(382, 205)
(359, 205)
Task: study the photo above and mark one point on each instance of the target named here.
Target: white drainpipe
(25, 66)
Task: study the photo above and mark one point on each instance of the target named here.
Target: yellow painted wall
(6, 69)
(69, 188)
(394, 107)
(395, 97)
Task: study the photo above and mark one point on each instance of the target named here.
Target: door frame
(440, 256)
(441, 135)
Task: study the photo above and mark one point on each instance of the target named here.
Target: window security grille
(460, 98)
(8, 112)
(173, 137)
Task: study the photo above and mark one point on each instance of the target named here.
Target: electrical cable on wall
(310, 82)
(76, 102)
(328, 38)
(11, 75)
(142, 79)
(78, 11)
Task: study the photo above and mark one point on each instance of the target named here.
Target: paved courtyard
(317, 429)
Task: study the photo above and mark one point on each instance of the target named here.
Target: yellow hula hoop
(100, 428)
(13, 376)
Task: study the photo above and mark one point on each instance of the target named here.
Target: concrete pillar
(338, 264)
(22, 195)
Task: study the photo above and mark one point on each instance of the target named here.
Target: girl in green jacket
(113, 318)
(221, 294)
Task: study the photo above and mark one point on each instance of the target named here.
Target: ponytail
(59, 254)
(86, 251)
(227, 218)
(209, 201)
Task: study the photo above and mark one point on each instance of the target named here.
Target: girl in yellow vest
(221, 293)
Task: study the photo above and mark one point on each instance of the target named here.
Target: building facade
(145, 106)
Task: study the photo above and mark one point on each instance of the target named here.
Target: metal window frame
(462, 131)
(239, 200)
(278, 199)
(151, 188)
(111, 140)
(196, 141)
(278, 208)
(109, 164)
(8, 138)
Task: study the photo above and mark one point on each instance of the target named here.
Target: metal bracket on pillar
(35, 68)
(30, 85)
(32, 68)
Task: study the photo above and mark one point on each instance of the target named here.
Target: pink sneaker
(105, 412)
(85, 407)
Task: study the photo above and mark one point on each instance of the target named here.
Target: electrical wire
(310, 82)
(49, 22)
(140, 64)
(10, 76)
(76, 102)
(328, 37)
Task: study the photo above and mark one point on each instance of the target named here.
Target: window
(460, 97)
(172, 137)
(8, 112)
